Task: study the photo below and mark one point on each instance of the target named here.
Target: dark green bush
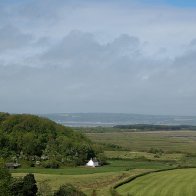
(68, 190)
(51, 164)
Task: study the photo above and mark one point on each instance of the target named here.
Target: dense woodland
(32, 138)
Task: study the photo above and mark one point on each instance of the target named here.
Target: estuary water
(112, 119)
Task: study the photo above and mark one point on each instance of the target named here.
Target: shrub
(156, 151)
(68, 190)
(44, 189)
(51, 164)
(16, 187)
(156, 156)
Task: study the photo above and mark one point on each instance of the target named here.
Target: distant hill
(31, 137)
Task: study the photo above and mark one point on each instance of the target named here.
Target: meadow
(100, 179)
(112, 166)
(144, 155)
(178, 148)
(168, 141)
(99, 182)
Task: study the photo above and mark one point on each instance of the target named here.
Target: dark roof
(12, 164)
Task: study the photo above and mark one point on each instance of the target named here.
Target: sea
(112, 119)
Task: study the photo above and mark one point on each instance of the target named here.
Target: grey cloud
(124, 44)
(188, 58)
(113, 83)
(76, 44)
(144, 64)
(11, 38)
(81, 49)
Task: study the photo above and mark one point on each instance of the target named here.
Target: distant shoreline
(113, 119)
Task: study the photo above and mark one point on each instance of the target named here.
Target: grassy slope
(171, 141)
(168, 183)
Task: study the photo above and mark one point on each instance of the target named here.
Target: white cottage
(93, 163)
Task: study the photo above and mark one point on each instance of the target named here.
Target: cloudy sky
(127, 56)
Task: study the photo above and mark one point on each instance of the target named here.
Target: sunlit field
(178, 182)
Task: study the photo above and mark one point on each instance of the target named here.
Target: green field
(169, 141)
(144, 155)
(113, 166)
(179, 182)
(89, 179)
(131, 157)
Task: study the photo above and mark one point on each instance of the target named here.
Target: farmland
(129, 153)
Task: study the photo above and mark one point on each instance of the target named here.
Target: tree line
(149, 127)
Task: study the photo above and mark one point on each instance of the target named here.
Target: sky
(110, 56)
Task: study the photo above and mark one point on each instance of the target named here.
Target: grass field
(169, 141)
(144, 155)
(113, 166)
(101, 182)
(180, 182)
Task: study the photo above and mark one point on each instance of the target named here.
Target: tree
(5, 180)
(29, 187)
(22, 186)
